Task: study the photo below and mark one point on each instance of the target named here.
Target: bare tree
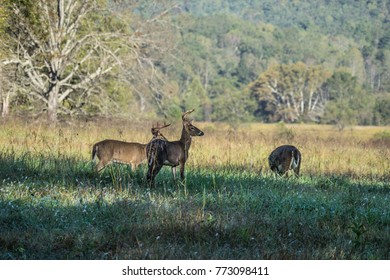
(291, 92)
(7, 89)
(65, 48)
(4, 97)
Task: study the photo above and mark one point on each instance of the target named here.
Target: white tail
(285, 158)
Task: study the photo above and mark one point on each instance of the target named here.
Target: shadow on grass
(64, 171)
(69, 212)
(187, 227)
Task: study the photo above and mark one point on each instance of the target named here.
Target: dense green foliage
(229, 44)
(209, 54)
(382, 111)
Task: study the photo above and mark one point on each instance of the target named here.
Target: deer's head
(189, 127)
(156, 130)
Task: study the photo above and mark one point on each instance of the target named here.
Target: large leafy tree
(347, 102)
(195, 97)
(382, 110)
(290, 93)
(230, 104)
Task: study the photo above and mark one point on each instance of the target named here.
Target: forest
(235, 61)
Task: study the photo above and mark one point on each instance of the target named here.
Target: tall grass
(53, 206)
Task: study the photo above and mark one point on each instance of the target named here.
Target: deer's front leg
(182, 171)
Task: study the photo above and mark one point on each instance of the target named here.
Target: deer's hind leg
(152, 172)
(134, 166)
(297, 169)
(101, 165)
(174, 172)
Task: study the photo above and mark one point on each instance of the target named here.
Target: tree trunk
(4, 96)
(5, 105)
(52, 105)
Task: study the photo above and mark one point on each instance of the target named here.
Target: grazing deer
(113, 151)
(172, 153)
(285, 158)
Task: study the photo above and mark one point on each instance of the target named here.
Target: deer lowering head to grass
(173, 153)
(285, 158)
(113, 151)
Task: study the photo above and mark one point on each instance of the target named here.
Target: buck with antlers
(285, 158)
(173, 153)
(113, 151)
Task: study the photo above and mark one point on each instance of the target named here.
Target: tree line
(291, 61)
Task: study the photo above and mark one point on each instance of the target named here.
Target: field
(53, 206)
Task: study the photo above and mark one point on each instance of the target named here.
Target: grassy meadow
(53, 206)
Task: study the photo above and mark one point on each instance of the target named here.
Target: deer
(172, 153)
(114, 151)
(285, 158)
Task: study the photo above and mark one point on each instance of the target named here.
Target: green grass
(52, 206)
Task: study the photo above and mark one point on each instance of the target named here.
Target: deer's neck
(185, 138)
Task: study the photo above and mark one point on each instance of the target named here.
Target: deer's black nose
(201, 133)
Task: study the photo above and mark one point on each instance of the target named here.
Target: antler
(183, 116)
(158, 127)
(156, 130)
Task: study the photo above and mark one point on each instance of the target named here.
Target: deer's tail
(295, 159)
(154, 150)
(94, 151)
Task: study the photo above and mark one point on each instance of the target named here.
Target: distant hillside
(225, 45)
(353, 18)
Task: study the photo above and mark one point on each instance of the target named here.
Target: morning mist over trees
(235, 61)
